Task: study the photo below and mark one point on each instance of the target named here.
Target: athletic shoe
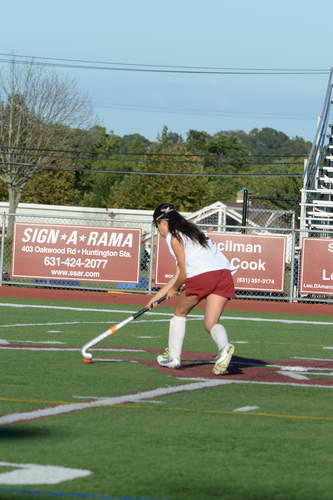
(223, 360)
(168, 362)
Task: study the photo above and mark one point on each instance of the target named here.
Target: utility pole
(245, 206)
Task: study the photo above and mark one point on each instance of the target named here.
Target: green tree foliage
(61, 189)
(85, 143)
(113, 154)
(273, 152)
(134, 143)
(268, 141)
(222, 154)
(281, 192)
(228, 152)
(168, 155)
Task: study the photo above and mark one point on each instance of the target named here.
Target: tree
(268, 141)
(146, 191)
(169, 138)
(281, 192)
(61, 188)
(197, 141)
(134, 143)
(37, 109)
(112, 153)
(222, 154)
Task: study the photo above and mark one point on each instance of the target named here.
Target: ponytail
(178, 225)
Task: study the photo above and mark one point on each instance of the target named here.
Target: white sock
(176, 336)
(219, 335)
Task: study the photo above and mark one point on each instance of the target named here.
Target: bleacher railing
(319, 140)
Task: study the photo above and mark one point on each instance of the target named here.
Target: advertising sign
(259, 261)
(76, 252)
(317, 266)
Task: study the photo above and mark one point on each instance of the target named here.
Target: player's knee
(181, 311)
(208, 324)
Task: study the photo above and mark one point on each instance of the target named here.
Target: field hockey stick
(87, 356)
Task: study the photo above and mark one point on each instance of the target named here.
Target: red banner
(76, 252)
(317, 266)
(259, 260)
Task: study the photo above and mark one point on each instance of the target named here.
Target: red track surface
(141, 299)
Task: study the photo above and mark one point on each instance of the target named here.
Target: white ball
(87, 355)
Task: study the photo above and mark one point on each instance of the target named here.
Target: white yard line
(34, 342)
(144, 396)
(19, 325)
(128, 398)
(313, 359)
(296, 376)
(60, 323)
(286, 321)
(61, 308)
(290, 384)
(190, 316)
(14, 418)
(65, 349)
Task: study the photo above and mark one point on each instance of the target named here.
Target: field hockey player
(203, 272)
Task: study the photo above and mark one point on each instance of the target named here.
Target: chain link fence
(297, 282)
(232, 217)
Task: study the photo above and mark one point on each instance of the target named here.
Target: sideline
(142, 299)
(149, 313)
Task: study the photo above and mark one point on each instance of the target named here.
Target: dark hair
(178, 224)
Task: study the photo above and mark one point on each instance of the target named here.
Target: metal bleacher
(317, 193)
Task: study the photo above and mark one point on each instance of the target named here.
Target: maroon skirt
(218, 282)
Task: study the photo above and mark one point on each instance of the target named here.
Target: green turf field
(122, 428)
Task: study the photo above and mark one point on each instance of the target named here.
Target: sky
(191, 34)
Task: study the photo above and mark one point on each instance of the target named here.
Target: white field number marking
(247, 408)
(39, 474)
(291, 374)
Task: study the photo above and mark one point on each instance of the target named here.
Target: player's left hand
(172, 293)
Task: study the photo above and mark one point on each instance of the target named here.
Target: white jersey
(199, 259)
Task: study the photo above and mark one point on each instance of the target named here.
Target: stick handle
(145, 309)
(113, 329)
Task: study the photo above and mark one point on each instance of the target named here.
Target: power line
(239, 114)
(129, 172)
(106, 153)
(13, 56)
(184, 163)
(94, 154)
(142, 69)
(142, 161)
